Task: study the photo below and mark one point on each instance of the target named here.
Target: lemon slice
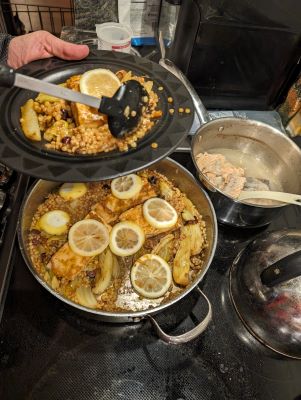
(151, 276)
(71, 191)
(99, 82)
(88, 237)
(126, 238)
(159, 213)
(126, 187)
(54, 222)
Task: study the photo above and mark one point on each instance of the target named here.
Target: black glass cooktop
(48, 351)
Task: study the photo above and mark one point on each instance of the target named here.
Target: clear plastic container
(114, 37)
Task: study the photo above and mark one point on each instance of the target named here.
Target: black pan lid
(32, 158)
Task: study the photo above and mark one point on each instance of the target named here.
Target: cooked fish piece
(87, 116)
(105, 216)
(84, 115)
(118, 206)
(234, 184)
(108, 211)
(135, 214)
(221, 173)
(67, 264)
(99, 213)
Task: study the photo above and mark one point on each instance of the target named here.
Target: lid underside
(271, 313)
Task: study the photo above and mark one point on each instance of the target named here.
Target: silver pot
(186, 183)
(280, 154)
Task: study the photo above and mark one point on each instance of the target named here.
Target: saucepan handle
(287, 268)
(200, 109)
(187, 336)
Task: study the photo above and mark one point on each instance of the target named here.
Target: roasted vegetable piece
(85, 297)
(116, 270)
(104, 275)
(189, 213)
(148, 86)
(181, 264)
(196, 238)
(166, 190)
(29, 121)
(164, 248)
(194, 230)
(58, 128)
(43, 97)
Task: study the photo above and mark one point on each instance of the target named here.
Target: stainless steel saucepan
(186, 183)
(276, 151)
(280, 155)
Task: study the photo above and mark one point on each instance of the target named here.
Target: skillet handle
(188, 336)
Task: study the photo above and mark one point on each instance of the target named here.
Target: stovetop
(49, 351)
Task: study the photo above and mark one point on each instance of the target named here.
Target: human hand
(41, 44)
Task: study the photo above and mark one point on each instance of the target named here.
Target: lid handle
(283, 270)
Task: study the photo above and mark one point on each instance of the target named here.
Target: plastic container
(114, 37)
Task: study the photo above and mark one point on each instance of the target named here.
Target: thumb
(66, 50)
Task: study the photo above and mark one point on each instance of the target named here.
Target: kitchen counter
(49, 351)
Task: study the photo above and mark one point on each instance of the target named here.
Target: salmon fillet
(221, 173)
(87, 116)
(110, 209)
(135, 214)
(67, 264)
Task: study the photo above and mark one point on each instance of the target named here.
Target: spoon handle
(278, 196)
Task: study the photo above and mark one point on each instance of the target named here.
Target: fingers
(67, 51)
(41, 44)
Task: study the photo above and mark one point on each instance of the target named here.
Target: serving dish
(187, 184)
(35, 160)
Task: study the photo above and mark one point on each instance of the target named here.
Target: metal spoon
(123, 109)
(289, 198)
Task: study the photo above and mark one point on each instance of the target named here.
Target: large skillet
(186, 183)
(34, 159)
